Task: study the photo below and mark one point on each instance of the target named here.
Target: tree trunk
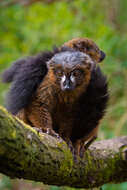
(26, 154)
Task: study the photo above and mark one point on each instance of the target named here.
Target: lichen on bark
(26, 154)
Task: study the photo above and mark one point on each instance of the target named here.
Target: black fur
(92, 105)
(88, 110)
(26, 74)
(9, 74)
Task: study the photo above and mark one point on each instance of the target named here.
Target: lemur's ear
(50, 63)
(103, 55)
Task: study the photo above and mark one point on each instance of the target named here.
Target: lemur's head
(87, 46)
(70, 70)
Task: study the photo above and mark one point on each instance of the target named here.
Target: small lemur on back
(87, 46)
(61, 92)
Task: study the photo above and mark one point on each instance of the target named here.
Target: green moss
(13, 134)
(67, 162)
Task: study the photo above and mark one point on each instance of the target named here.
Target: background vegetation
(26, 30)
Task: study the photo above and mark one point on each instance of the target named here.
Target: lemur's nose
(67, 84)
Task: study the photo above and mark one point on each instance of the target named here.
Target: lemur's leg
(81, 145)
(86, 146)
(39, 118)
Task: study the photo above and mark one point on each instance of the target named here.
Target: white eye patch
(72, 78)
(63, 78)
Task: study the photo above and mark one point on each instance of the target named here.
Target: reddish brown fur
(85, 45)
(36, 98)
(46, 93)
(49, 93)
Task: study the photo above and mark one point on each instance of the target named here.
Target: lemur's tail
(9, 74)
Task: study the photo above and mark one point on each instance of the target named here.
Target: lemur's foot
(38, 130)
(52, 133)
(47, 131)
(82, 151)
(69, 143)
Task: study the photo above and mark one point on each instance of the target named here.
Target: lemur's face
(71, 70)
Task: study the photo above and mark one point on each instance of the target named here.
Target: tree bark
(26, 154)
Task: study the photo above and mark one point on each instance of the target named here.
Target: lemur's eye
(59, 72)
(88, 48)
(77, 72)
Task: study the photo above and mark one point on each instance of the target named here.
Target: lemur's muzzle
(67, 84)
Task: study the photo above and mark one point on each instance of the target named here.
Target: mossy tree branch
(26, 154)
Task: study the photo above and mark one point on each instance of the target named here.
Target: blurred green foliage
(28, 30)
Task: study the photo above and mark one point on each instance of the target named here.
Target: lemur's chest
(64, 115)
